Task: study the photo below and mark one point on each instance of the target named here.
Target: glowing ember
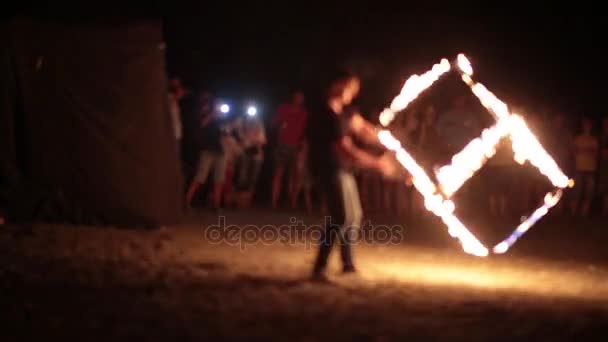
(468, 161)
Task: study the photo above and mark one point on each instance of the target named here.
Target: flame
(467, 79)
(414, 85)
(464, 65)
(527, 147)
(467, 162)
(433, 201)
(496, 107)
(551, 199)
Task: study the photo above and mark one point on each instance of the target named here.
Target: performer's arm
(364, 130)
(364, 159)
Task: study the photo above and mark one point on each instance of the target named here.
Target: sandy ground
(101, 284)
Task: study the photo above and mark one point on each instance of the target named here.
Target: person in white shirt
(249, 164)
(176, 93)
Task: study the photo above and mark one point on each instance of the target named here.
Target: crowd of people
(226, 152)
(222, 150)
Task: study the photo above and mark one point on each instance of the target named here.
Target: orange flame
(414, 85)
(468, 161)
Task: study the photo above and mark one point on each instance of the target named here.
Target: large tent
(85, 132)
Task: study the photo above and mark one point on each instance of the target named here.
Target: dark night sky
(260, 51)
(550, 60)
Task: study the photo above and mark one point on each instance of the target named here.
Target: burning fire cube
(467, 162)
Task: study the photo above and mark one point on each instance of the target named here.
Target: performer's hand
(386, 165)
(409, 181)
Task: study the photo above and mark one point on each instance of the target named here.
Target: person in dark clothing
(333, 128)
(212, 158)
(194, 107)
(290, 123)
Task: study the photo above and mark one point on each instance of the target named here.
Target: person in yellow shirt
(586, 151)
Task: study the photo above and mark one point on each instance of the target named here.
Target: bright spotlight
(224, 108)
(252, 111)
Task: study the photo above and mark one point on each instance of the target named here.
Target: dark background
(543, 62)
(546, 58)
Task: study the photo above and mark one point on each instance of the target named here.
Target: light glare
(224, 108)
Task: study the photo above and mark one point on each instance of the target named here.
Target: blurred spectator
(290, 122)
(176, 94)
(561, 142)
(249, 164)
(603, 176)
(458, 125)
(232, 147)
(560, 146)
(428, 138)
(193, 108)
(212, 157)
(586, 155)
(432, 155)
(303, 185)
(406, 195)
(533, 185)
(500, 184)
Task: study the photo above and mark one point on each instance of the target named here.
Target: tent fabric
(85, 125)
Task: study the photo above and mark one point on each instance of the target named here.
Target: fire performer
(333, 128)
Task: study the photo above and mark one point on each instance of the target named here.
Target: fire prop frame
(464, 164)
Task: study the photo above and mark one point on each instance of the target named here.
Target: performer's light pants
(344, 221)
